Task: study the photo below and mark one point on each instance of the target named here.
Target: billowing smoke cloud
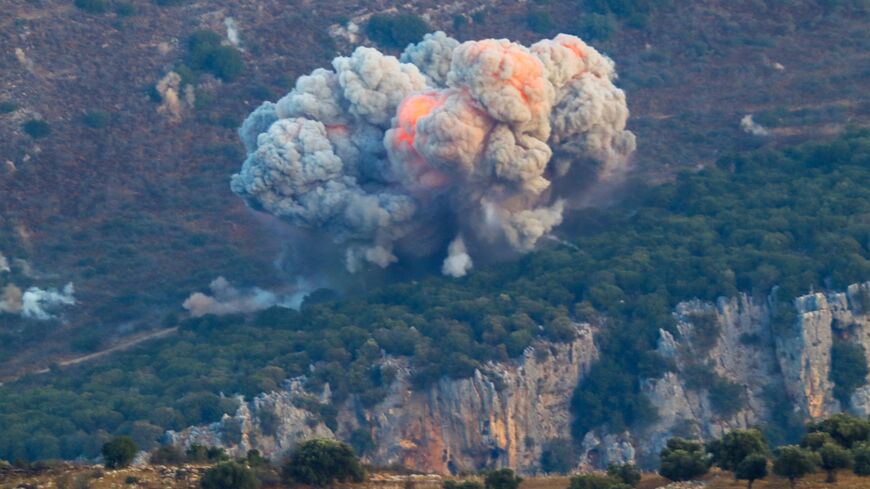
(226, 299)
(390, 158)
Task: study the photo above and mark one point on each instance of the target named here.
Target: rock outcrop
(727, 359)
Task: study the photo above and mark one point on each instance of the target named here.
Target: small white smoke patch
(10, 301)
(226, 299)
(457, 263)
(4, 264)
(232, 31)
(749, 126)
(37, 303)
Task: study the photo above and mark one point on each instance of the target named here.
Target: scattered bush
(125, 9)
(540, 22)
(131, 480)
(229, 475)
(683, 460)
(167, 455)
(559, 456)
(321, 462)
(37, 128)
(793, 462)
(97, 119)
(597, 27)
(629, 474)
(119, 452)
(845, 429)
(93, 6)
(466, 484)
(861, 459)
(595, 481)
(396, 30)
(206, 53)
(7, 106)
(502, 479)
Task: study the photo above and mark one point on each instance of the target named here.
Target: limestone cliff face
(506, 413)
(502, 416)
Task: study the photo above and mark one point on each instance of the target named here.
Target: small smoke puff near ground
(226, 299)
(391, 158)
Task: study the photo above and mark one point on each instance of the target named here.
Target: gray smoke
(389, 158)
(226, 299)
(4, 264)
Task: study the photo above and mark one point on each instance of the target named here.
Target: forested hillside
(788, 221)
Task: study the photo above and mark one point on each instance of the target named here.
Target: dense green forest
(795, 219)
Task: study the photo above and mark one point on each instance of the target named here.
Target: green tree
(627, 473)
(595, 481)
(119, 452)
(834, 457)
(861, 459)
(229, 475)
(396, 30)
(845, 429)
(502, 479)
(751, 468)
(728, 452)
(36, 128)
(794, 462)
(466, 484)
(816, 440)
(320, 462)
(683, 460)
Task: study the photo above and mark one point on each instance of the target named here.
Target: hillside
(748, 224)
(134, 208)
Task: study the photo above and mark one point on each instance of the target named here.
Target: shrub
(96, 119)
(627, 473)
(726, 397)
(598, 27)
(229, 475)
(793, 462)
(502, 479)
(321, 462)
(540, 22)
(467, 484)
(125, 9)
(595, 481)
(167, 455)
(93, 6)
(131, 479)
(558, 456)
(206, 53)
(119, 452)
(815, 440)
(845, 429)
(861, 459)
(683, 460)
(37, 128)
(397, 30)
(7, 106)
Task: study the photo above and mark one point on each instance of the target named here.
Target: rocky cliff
(728, 361)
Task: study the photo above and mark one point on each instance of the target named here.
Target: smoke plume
(36, 303)
(749, 126)
(226, 299)
(451, 149)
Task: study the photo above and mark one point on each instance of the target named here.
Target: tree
(683, 460)
(793, 462)
(735, 446)
(834, 457)
(848, 369)
(816, 440)
(320, 462)
(469, 484)
(751, 468)
(861, 462)
(595, 481)
(627, 473)
(229, 475)
(119, 452)
(37, 128)
(845, 429)
(502, 479)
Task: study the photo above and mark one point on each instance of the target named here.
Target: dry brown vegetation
(139, 214)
